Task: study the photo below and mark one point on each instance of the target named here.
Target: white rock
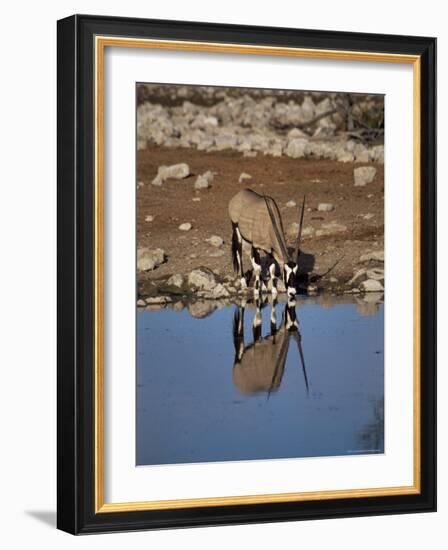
(220, 291)
(376, 255)
(368, 216)
(201, 308)
(325, 207)
(175, 171)
(371, 285)
(185, 226)
(202, 278)
(141, 303)
(376, 273)
(158, 300)
(196, 199)
(296, 133)
(296, 148)
(307, 231)
(149, 259)
(215, 240)
(358, 277)
(331, 229)
(345, 156)
(217, 254)
(364, 175)
(204, 180)
(175, 280)
(377, 153)
(244, 176)
(226, 140)
(149, 218)
(291, 204)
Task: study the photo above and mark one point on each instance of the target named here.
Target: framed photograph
(246, 274)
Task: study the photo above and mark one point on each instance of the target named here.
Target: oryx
(256, 220)
(259, 366)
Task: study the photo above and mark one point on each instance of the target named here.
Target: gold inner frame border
(100, 44)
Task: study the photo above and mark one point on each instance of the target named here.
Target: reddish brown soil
(284, 179)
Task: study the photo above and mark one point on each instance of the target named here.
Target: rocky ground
(188, 168)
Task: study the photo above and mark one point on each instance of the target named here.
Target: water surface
(205, 395)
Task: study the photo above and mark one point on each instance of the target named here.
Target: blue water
(193, 405)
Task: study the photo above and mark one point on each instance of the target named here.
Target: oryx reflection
(259, 366)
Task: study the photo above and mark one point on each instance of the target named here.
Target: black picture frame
(76, 225)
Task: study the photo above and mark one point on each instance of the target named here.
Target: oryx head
(290, 261)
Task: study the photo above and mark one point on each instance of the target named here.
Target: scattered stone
(214, 240)
(204, 180)
(243, 177)
(331, 229)
(175, 171)
(376, 274)
(377, 153)
(149, 218)
(141, 303)
(226, 140)
(364, 175)
(217, 254)
(376, 255)
(140, 184)
(307, 231)
(333, 280)
(368, 216)
(196, 199)
(371, 285)
(345, 156)
(155, 300)
(148, 259)
(178, 306)
(202, 278)
(185, 226)
(296, 148)
(201, 308)
(252, 125)
(296, 133)
(176, 280)
(312, 290)
(325, 207)
(291, 204)
(358, 278)
(219, 291)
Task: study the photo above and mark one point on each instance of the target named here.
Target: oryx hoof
(274, 291)
(256, 293)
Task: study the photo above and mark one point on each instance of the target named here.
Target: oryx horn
(278, 232)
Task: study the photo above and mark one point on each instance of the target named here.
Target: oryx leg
(238, 332)
(256, 264)
(237, 253)
(257, 322)
(273, 276)
(274, 317)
